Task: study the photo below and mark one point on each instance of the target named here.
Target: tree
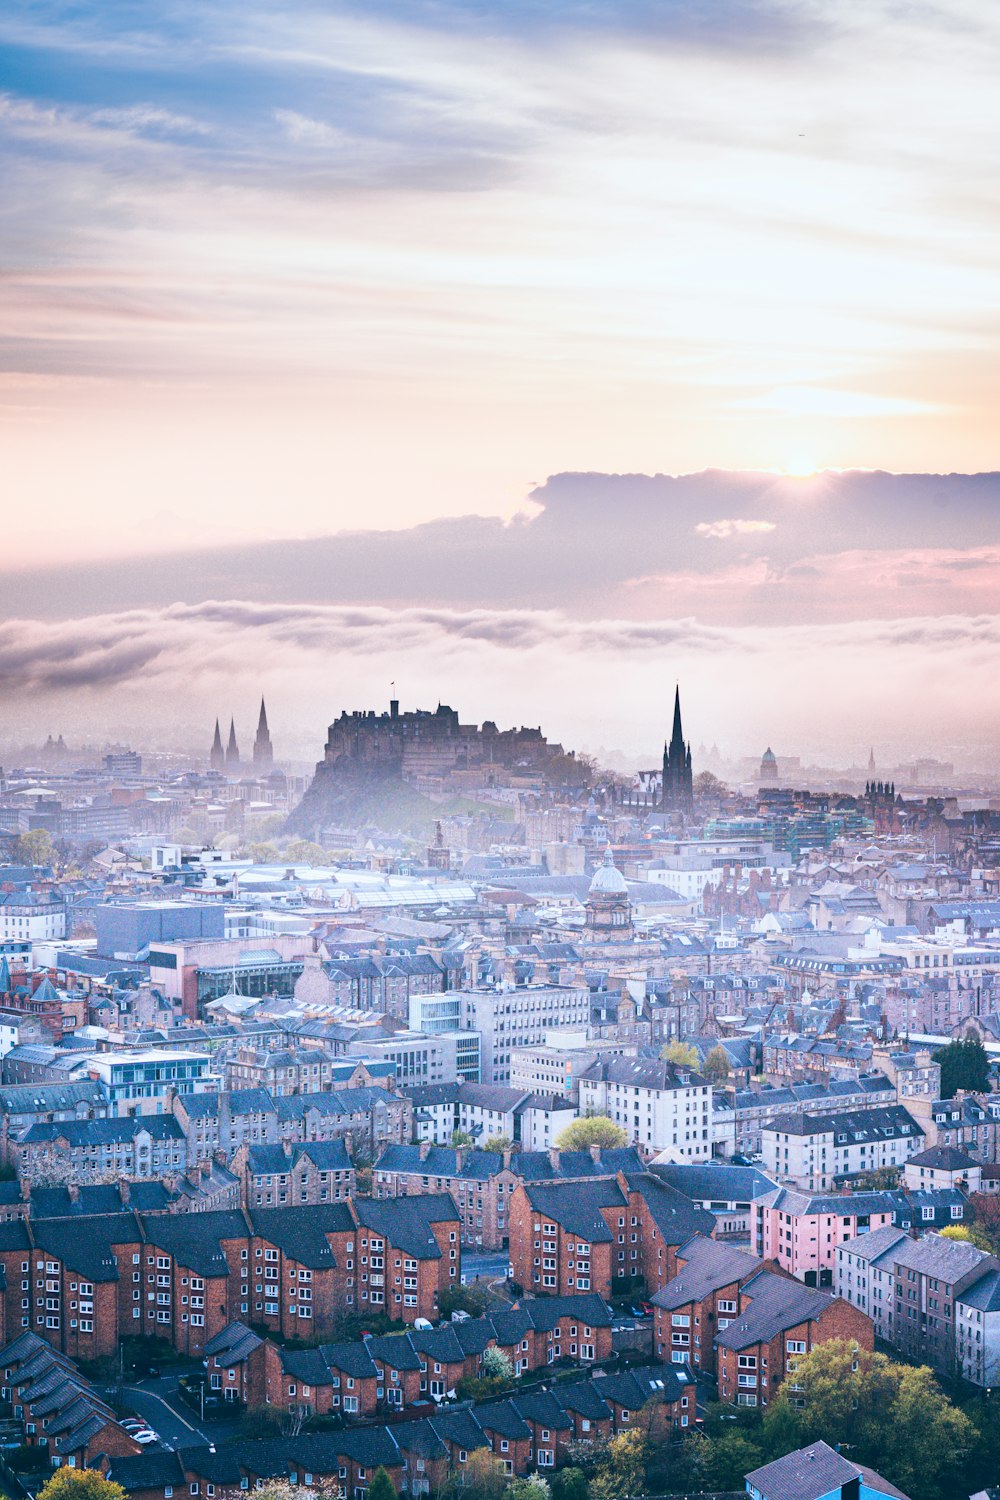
(485, 1476)
(972, 1234)
(534, 1487)
(727, 1459)
(622, 1471)
(964, 1064)
(36, 847)
(80, 1484)
(569, 1484)
(381, 1487)
(681, 1054)
(461, 1138)
(280, 1489)
(705, 784)
(303, 852)
(597, 1130)
(879, 1180)
(717, 1067)
(986, 1207)
(892, 1416)
(497, 1143)
(496, 1365)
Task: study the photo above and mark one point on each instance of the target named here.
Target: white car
(145, 1436)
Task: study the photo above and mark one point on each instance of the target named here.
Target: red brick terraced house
(608, 1235)
(779, 1321)
(84, 1283)
(701, 1300)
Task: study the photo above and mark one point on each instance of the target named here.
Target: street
(490, 1265)
(158, 1403)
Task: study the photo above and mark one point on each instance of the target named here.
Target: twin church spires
(228, 759)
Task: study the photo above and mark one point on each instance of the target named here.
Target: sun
(800, 466)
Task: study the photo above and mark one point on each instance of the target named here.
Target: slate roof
(776, 1303)
(577, 1206)
(674, 1215)
(86, 1245)
(984, 1294)
(812, 1473)
(49, 1098)
(943, 1159)
(704, 1181)
(644, 1073)
(708, 1265)
(862, 1125)
(195, 1240)
(301, 1231)
(634, 1387)
(406, 1222)
(235, 1343)
(121, 1130)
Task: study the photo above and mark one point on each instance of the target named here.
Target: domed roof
(769, 756)
(608, 879)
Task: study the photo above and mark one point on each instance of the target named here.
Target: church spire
(677, 734)
(217, 758)
(232, 749)
(677, 770)
(263, 754)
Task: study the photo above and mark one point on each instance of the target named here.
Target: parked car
(145, 1436)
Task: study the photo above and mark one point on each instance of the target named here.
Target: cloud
(168, 672)
(302, 130)
(838, 547)
(813, 401)
(723, 530)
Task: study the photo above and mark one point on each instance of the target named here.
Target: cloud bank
(596, 681)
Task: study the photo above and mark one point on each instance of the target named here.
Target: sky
(489, 348)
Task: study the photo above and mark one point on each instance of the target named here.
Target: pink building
(800, 1232)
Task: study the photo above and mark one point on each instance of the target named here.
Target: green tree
(892, 1416)
(928, 1441)
(381, 1487)
(302, 852)
(80, 1484)
(879, 1180)
(497, 1143)
(485, 1476)
(717, 1066)
(36, 847)
(972, 1234)
(569, 1484)
(727, 1459)
(682, 1054)
(534, 1487)
(597, 1130)
(964, 1064)
(461, 1138)
(621, 1472)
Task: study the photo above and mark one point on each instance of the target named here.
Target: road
(158, 1403)
(490, 1265)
